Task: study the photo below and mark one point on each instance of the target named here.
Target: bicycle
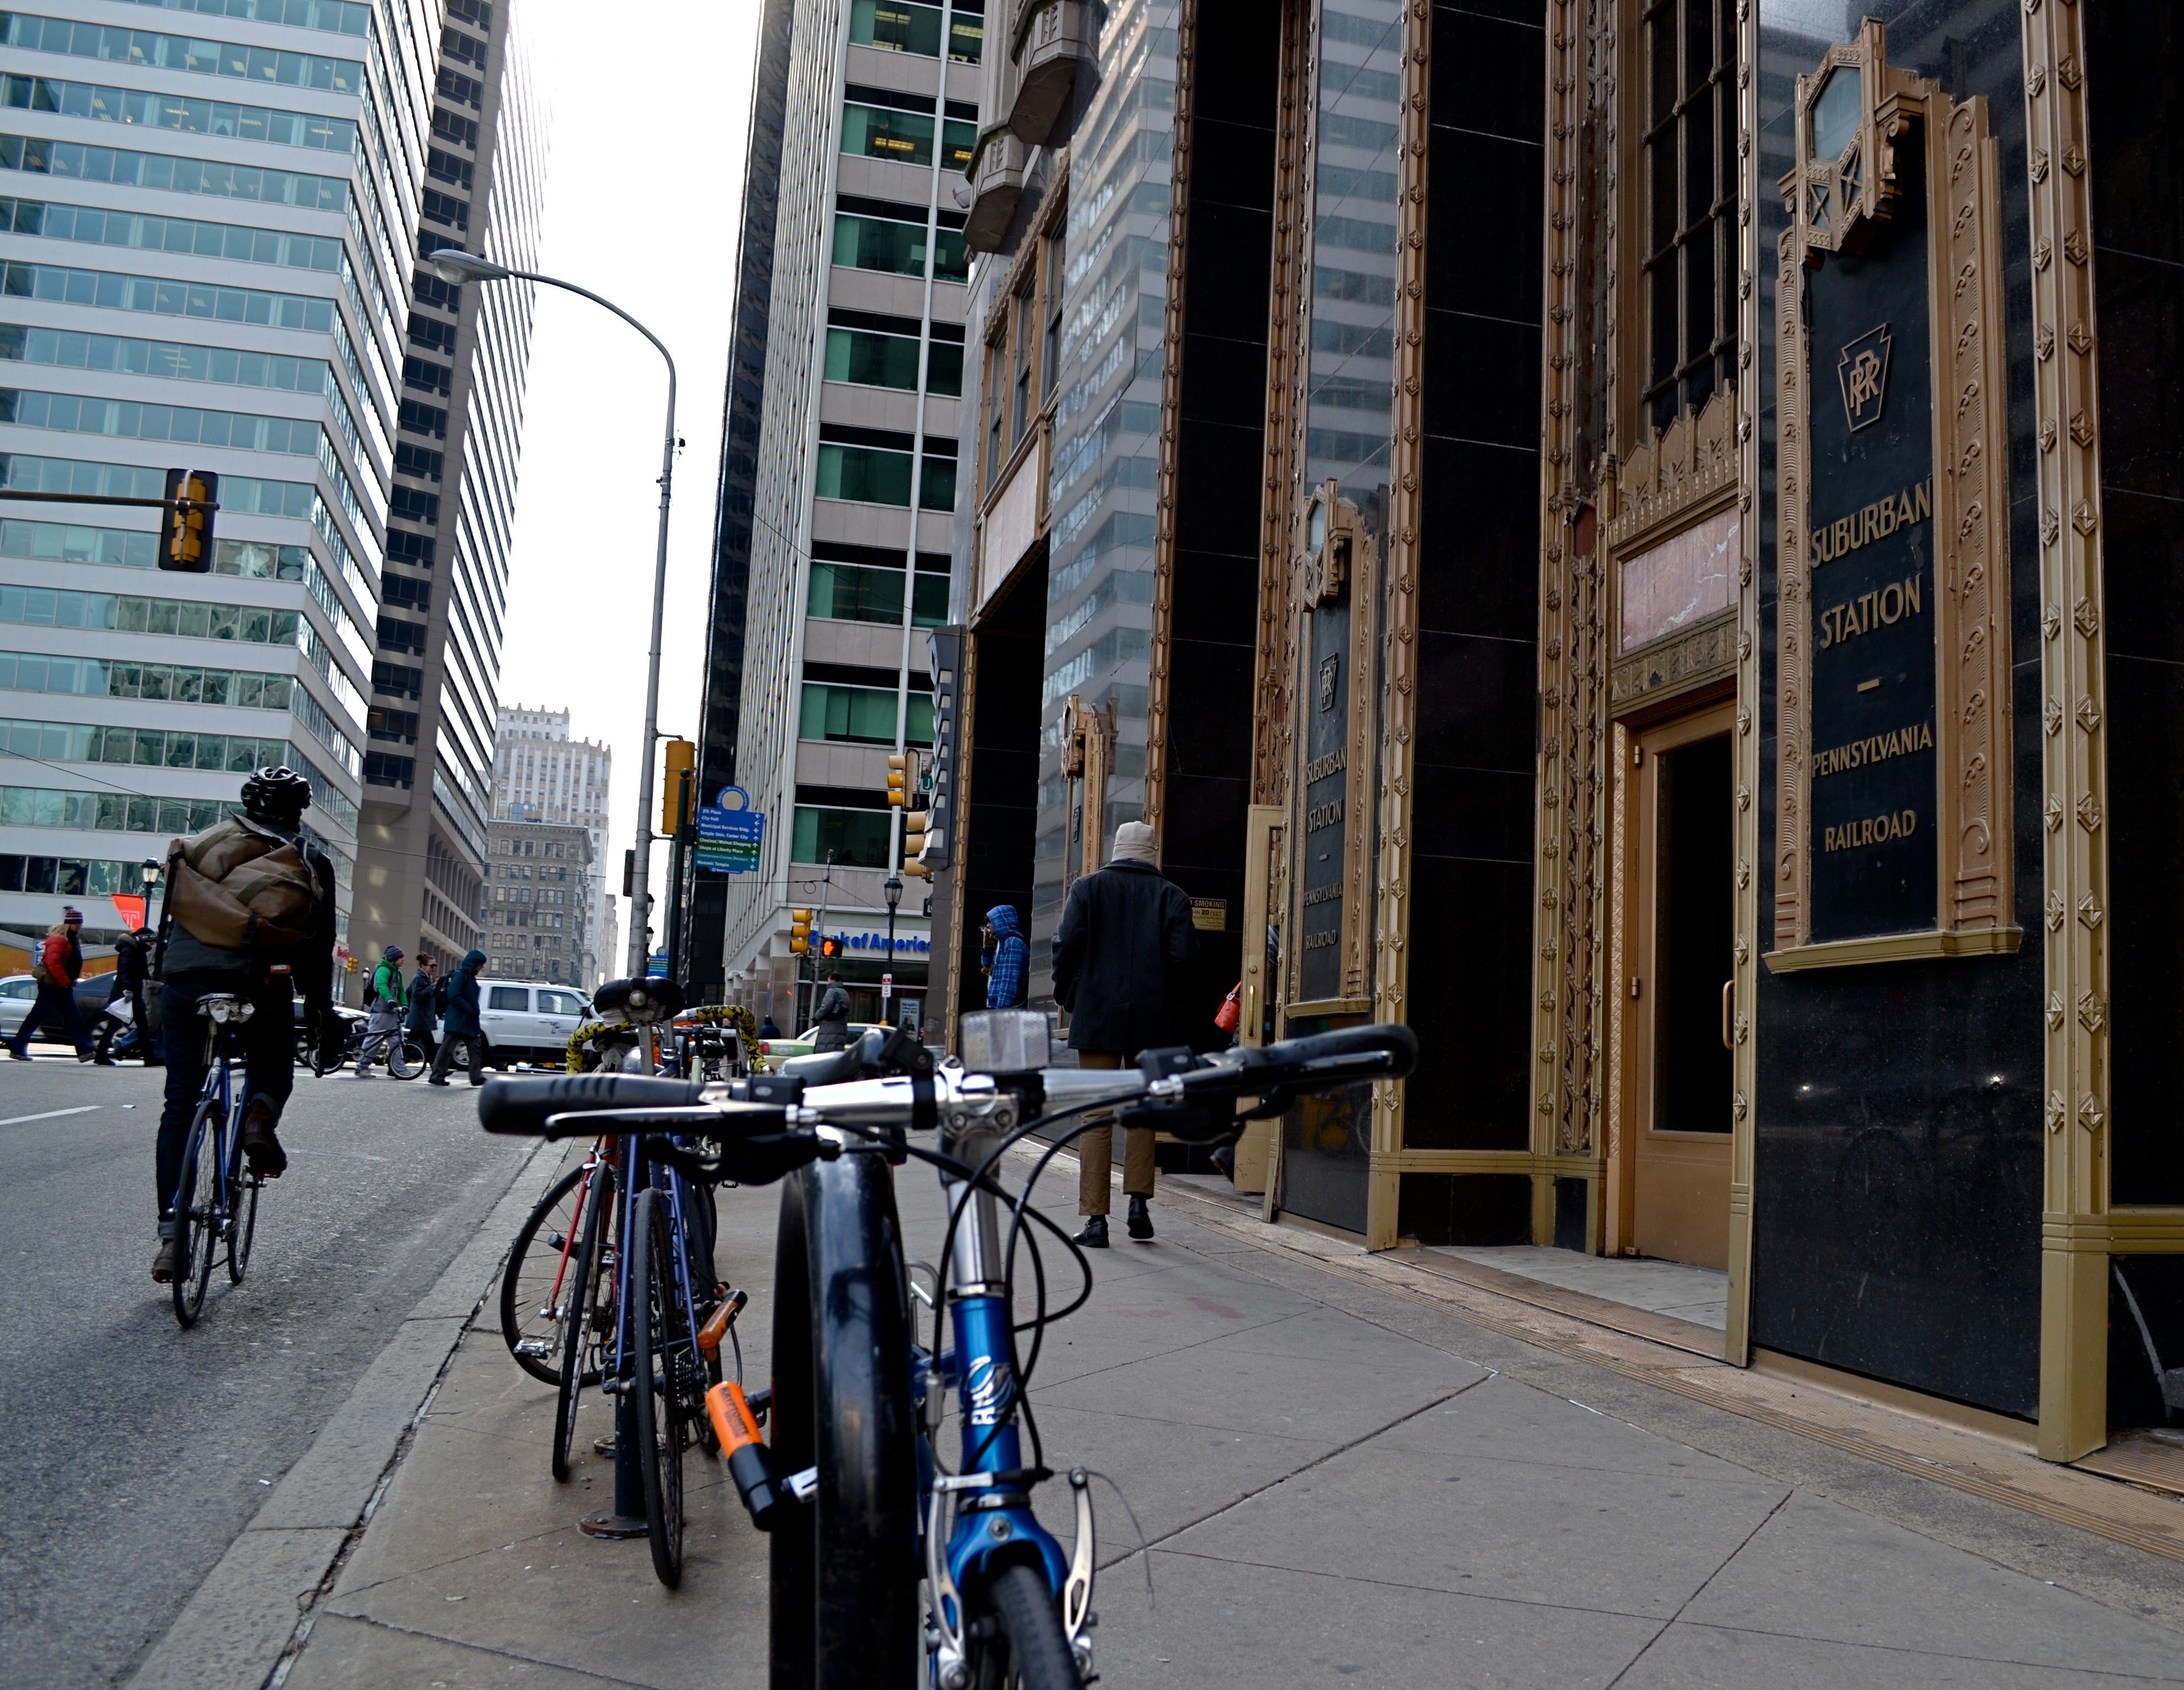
(215, 1197)
(881, 1555)
(404, 1057)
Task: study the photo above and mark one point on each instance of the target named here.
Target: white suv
(529, 1022)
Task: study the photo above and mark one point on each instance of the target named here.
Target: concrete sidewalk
(1335, 1483)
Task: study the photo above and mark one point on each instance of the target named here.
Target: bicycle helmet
(276, 795)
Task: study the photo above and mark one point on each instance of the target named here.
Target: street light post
(453, 265)
(893, 891)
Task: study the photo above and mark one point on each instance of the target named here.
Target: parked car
(529, 1022)
(773, 1053)
(18, 992)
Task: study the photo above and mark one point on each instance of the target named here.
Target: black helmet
(278, 793)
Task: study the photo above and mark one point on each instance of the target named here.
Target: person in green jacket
(383, 1034)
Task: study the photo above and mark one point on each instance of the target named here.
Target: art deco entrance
(1672, 1165)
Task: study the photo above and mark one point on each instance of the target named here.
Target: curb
(254, 1608)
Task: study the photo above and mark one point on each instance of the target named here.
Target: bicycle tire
(576, 1345)
(663, 1349)
(398, 1064)
(528, 1312)
(197, 1202)
(242, 1187)
(841, 1615)
(1031, 1652)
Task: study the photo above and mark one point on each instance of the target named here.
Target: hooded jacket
(423, 990)
(461, 1019)
(1005, 982)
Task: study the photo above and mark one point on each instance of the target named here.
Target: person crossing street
(460, 1021)
(59, 967)
(129, 969)
(421, 1021)
(388, 1000)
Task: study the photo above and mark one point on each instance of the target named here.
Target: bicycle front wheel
(1030, 1652)
(665, 1357)
(586, 1293)
(197, 1216)
(535, 1314)
(406, 1059)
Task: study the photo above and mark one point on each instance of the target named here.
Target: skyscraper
(202, 269)
(459, 429)
(540, 775)
(852, 477)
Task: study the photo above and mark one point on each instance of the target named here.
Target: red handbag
(1230, 1015)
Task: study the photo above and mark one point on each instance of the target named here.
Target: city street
(139, 1451)
(1335, 1483)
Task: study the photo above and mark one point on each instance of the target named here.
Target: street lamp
(453, 265)
(893, 891)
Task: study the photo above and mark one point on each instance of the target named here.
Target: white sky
(647, 121)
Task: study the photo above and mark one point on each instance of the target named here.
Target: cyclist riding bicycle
(250, 911)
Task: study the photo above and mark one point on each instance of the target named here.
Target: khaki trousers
(1095, 1153)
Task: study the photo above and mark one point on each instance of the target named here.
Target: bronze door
(1681, 1117)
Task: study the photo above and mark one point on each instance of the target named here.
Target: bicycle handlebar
(520, 1106)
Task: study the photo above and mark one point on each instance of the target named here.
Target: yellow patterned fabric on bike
(238, 886)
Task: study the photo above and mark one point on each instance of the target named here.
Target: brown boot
(166, 1262)
(260, 1148)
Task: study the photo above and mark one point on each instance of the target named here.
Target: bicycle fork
(979, 1519)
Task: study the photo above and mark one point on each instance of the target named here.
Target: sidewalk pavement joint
(247, 1621)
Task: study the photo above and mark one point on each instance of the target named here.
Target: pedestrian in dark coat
(60, 956)
(832, 1032)
(128, 983)
(1121, 958)
(423, 1018)
(460, 1021)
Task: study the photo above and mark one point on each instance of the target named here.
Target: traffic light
(682, 759)
(830, 947)
(186, 530)
(799, 931)
(902, 777)
(913, 845)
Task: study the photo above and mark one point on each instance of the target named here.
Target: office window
(864, 473)
(1690, 162)
(879, 243)
(875, 360)
(855, 839)
(876, 133)
(863, 716)
(1025, 333)
(895, 26)
(944, 369)
(855, 593)
(967, 36)
(937, 489)
(997, 388)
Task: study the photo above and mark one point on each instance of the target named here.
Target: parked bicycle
(216, 1197)
(882, 1554)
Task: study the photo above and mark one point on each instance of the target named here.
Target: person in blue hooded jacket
(460, 1020)
(1007, 959)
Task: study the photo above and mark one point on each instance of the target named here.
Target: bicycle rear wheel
(665, 1357)
(534, 1310)
(197, 1216)
(242, 1187)
(1031, 1652)
(584, 1291)
(404, 1060)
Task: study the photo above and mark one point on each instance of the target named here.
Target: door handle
(1728, 1010)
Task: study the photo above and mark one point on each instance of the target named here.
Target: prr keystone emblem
(1863, 372)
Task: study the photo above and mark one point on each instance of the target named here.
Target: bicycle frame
(642, 1170)
(992, 1522)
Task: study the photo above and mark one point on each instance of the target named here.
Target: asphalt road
(135, 1451)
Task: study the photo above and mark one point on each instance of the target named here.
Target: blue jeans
(60, 1002)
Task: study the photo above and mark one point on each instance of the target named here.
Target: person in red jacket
(59, 965)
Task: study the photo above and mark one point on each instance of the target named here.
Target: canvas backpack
(238, 887)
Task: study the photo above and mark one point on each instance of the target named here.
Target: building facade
(458, 441)
(535, 916)
(541, 775)
(1621, 535)
(206, 262)
(850, 474)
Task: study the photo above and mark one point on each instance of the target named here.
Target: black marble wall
(1471, 852)
(1220, 448)
(1898, 1134)
(2134, 100)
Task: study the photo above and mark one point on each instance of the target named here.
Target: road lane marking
(51, 1115)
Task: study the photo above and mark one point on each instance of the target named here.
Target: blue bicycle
(216, 1197)
(889, 1567)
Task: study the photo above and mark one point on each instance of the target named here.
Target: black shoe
(261, 1147)
(442, 1083)
(1140, 1223)
(1095, 1234)
(19, 1056)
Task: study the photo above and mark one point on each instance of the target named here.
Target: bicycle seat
(655, 998)
(225, 1006)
